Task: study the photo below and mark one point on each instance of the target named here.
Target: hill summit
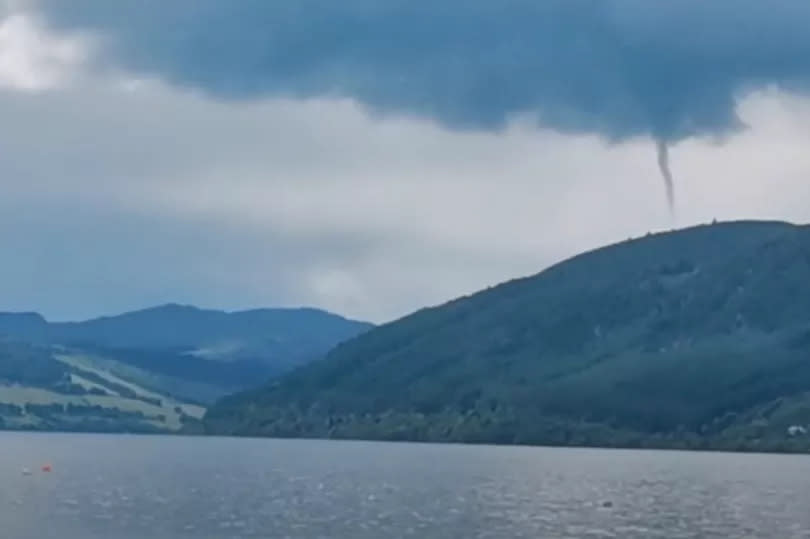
(693, 338)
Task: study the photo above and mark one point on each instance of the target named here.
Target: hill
(693, 338)
(280, 336)
(179, 355)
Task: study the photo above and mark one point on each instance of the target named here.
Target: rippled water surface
(111, 487)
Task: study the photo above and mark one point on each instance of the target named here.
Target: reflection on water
(127, 487)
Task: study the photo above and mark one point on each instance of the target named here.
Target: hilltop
(693, 338)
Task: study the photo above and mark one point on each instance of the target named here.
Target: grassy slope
(157, 411)
(90, 364)
(182, 389)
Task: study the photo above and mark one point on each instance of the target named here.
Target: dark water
(111, 487)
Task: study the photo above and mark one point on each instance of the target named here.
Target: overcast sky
(373, 157)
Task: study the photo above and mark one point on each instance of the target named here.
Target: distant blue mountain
(229, 349)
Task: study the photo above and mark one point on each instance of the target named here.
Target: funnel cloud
(666, 173)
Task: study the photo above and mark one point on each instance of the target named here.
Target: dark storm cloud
(614, 67)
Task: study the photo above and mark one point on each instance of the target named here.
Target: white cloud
(34, 59)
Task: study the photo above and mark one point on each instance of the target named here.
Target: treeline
(25, 364)
(84, 424)
(478, 427)
(70, 409)
(77, 417)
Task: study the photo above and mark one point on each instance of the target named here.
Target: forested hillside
(694, 338)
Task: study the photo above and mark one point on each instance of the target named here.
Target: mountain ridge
(159, 314)
(255, 332)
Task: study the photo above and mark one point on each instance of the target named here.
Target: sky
(374, 157)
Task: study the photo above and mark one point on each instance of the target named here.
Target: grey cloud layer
(615, 67)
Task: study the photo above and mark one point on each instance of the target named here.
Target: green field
(88, 364)
(93, 393)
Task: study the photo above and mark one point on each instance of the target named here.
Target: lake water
(128, 487)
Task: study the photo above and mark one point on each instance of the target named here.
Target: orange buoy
(46, 468)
